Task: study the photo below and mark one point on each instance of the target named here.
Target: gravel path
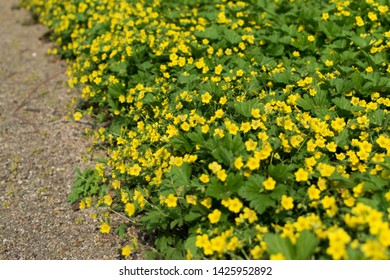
(39, 151)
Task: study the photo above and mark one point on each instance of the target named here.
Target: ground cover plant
(235, 129)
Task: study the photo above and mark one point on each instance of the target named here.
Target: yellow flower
(310, 38)
(219, 113)
(185, 126)
(255, 113)
(301, 175)
(250, 215)
(116, 184)
(105, 228)
(238, 163)
(325, 16)
(171, 201)
(214, 216)
(107, 200)
(296, 53)
(81, 205)
(372, 249)
(372, 16)
(257, 252)
(218, 69)
(250, 145)
(77, 116)
(221, 175)
(88, 202)
(278, 256)
(328, 202)
(126, 251)
(135, 170)
(269, 184)
(205, 128)
(253, 163)
(245, 127)
(202, 241)
(239, 73)
(387, 196)
(337, 251)
(296, 140)
(206, 97)
(326, 170)
(215, 167)
(139, 198)
(130, 209)
(313, 192)
(218, 244)
(328, 63)
(232, 128)
(223, 100)
(235, 205)
(359, 21)
(287, 202)
(191, 199)
(233, 244)
(206, 202)
(369, 69)
(204, 178)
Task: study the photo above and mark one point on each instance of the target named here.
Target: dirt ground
(39, 150)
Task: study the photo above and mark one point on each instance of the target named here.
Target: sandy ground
(39, 151)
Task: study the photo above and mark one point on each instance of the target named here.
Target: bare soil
(39, 150)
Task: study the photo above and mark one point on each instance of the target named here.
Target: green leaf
(217, 190)
(232, 36)
(342, 138)
(115, 90)
(181, 174)
(192, 216)
(252, 187)
(307, 103)
(209, 33)
(120, 67)
(223, 155)
(121, 230)
(279, 172)
(190, 245)
(276, 244)
(369, 202)
(180, 142)
(375, 183)
(149, 98)
(185, 79)
(261, 202)
(245, 108)
(234, 182)
(306, 245)
(360, 42)
(344, 104)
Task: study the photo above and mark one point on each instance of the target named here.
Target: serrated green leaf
(306, 103)
(306, 245)
(223, 155)
(231, 36)
(262, 202)
(276, 244)
(342, 138)
(279, 172)
(209, 33)
(115, 90)
(217, 190)
(192, 216)
(245, 108)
